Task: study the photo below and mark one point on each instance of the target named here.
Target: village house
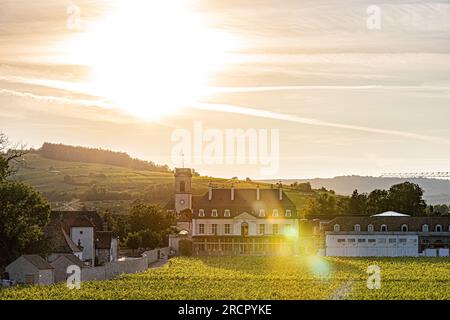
(31, 269)
(232, 221)
(83, 234)
(388, 234)
(61, 264)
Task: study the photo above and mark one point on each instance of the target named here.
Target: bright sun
(152, 58)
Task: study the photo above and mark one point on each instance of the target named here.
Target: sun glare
(151, 58)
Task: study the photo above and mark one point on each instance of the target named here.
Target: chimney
(281, 191)
(232, 192)
(210, 192)
(258, 193)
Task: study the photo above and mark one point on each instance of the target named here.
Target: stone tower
(183, 189)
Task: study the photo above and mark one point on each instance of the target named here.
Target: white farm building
(389, 234)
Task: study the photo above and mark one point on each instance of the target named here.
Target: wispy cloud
(55, 99)
(318, 122)
(325, 87)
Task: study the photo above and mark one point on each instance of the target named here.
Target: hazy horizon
(346, 99)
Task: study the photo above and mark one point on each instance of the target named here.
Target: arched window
(438, 228)
(404, 228)
(337, 228)
(384, 228)
(357, 228)
(425, 228)
(370, 228)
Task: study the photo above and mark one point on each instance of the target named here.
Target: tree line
(63, 152)
(405, 198)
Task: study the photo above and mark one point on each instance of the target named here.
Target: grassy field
(264, 278)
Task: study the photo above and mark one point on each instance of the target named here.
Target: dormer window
(370, 228)
(201, 212)
(384, 228)
(262, 212)
(425, 228)
(288, 213)
(227, 213)
(404, 228)
(438, 228)
(357, 228)
(337, 228)
(214, 213)
(275, 212)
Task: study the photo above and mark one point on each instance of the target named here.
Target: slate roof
(72, 258)
(59, 239)
(394, 223)
(38, 261)
(245, 200)
(78, 219)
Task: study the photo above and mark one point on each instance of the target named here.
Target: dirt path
(343, 291)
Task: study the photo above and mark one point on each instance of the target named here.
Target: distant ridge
(63, 152)
(436, 191)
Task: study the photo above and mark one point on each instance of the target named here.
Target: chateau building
(233, 221)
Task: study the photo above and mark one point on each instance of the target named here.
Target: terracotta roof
(37, 261)
(245, 200)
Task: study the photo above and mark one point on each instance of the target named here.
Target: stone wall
(156, 254)
(113, 269)
(129, 265)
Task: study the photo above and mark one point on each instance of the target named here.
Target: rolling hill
(77, 185)
(436, 191)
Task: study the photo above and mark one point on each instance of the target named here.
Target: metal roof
(391, 214)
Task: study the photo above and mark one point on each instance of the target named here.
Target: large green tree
(407, 197)
(377, 202)
(23, 211)
(23, 214)
(149, 217)
(357, 203)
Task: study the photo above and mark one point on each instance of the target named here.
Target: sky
(343, 96)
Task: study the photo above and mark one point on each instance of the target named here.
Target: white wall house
(84, 236)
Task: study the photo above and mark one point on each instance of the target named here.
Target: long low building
(389, 234)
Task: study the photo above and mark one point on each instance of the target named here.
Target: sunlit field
(264, 278)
